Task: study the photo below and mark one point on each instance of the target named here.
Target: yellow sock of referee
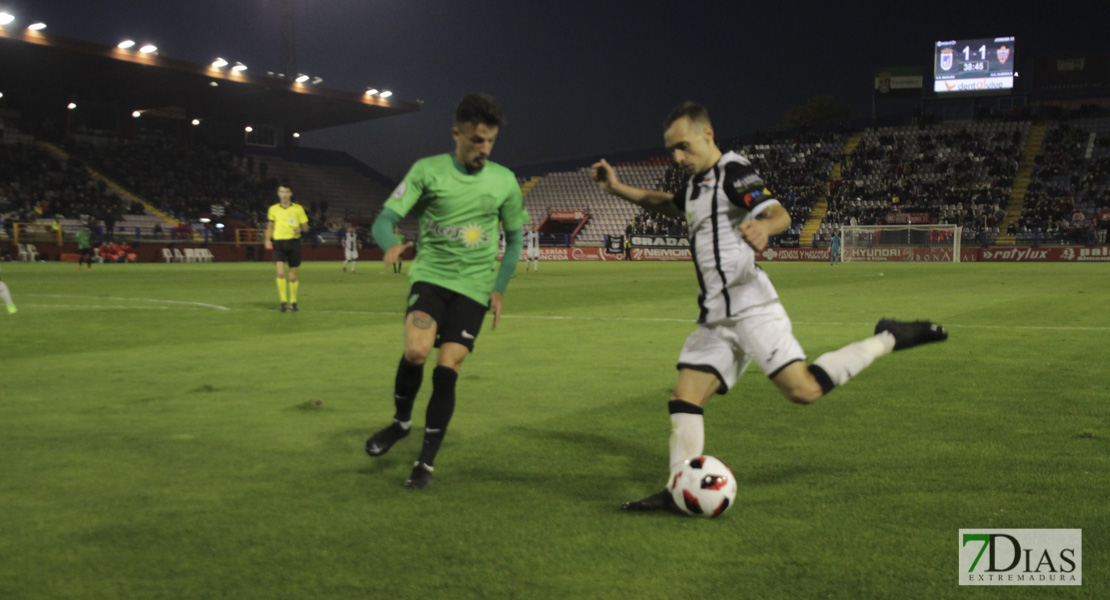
(293, 285)
(281, 290)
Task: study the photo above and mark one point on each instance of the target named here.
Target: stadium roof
(43, 69)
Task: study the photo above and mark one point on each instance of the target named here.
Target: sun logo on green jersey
(472, 235)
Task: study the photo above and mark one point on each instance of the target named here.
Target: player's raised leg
(804, 385)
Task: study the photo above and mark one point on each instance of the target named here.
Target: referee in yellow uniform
(285, 221)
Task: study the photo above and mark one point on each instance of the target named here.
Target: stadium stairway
(120, 191)
(821, 206)
(528, 185)
(1021, 183)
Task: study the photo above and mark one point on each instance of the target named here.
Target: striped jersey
(350, 242)
(715, 203)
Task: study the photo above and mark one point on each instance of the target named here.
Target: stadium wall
(148, 252)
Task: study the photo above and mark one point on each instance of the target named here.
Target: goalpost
(926, 243)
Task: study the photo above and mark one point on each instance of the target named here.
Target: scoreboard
(978, 65)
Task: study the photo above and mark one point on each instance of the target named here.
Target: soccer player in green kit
(458, 199)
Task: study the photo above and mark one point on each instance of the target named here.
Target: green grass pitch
(160, 437)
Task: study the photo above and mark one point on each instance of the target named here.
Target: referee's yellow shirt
(285, 219)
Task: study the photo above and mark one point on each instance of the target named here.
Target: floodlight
(125, 44)
(37, 26)
(196, 121)
(148, 49)
(371, 91)
(219, 225)
(239, 67)
(6, 18)
(317, 80)
(205, 220)
(219, 63)
(386, 94)
(136, 114)
(296, 135)
(71, 105)
(249, 129)
(301, 78)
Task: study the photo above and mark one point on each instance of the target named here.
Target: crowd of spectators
(653, 223)
(1070, 186)
(35, 184)
(936, 174)
(184, 182)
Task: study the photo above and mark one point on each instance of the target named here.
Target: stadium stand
(1070, 184)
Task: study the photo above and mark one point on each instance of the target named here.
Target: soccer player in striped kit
(351, 246)
(731, 215)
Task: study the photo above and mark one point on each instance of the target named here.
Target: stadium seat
(190, 255)
(27, 252)
(167, 255)
(178, 256)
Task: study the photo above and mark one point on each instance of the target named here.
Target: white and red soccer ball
(703, 486)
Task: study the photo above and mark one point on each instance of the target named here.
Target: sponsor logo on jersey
(470, 234)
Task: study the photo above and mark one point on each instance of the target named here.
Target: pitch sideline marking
(533, 317)
(95, 298)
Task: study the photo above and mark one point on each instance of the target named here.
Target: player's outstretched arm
(606, 177)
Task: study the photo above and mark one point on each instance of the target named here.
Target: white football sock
(5, 295)
(687, 437)
(847, 362)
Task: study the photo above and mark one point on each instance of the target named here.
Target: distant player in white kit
(351, 246)
(731, 215)
(533, 256)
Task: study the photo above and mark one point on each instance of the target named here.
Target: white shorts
(533, 255)
(726, 347)
(351, 254)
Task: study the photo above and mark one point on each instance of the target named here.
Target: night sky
(576, 78)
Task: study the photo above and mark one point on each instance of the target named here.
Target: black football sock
(405, 388)
(440, 409)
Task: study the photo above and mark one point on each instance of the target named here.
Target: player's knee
(803, 394)
(417, 354)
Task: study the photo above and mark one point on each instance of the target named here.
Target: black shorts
(83, 252)
(458, 318)
(288, 251)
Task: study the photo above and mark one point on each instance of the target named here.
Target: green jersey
(82, 237)
(458, 215)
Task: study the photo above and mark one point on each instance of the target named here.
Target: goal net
(886, 243)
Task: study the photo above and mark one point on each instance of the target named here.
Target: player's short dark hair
(691, 110)
(284, 182)
(479, 108)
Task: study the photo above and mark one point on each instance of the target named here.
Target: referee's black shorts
(288, 251)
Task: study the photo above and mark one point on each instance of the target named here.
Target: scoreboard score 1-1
(980, 65)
